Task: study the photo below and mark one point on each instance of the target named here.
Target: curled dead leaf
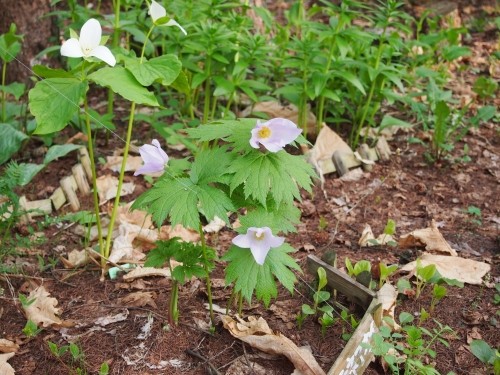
(43, 309)
(7, 346)
(452, 267)
(257, 334)
(5, 368)
(139, 299)
(430, 237)
(146, 272)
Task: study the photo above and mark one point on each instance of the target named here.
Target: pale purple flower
(274, 134)
(88, 45)
(259, 241)
(154, 158)
(158, 12)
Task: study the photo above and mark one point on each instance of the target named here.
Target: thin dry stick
(213, 369)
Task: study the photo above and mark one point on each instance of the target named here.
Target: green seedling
(475, 214)
(31, 329)
(350, 321)
(496, 297)
(385, 272)
(409, 352)
(438, 293)
(486, 354)
(193, 263)
(425, 275)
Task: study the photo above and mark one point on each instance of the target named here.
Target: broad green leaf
(389, 121)
(121, 81)
(307, 310)
(54, 101)
(451, 53)
(16, 89)
(390, 227)
(322, 280)
(10, 141)
(10, 44)
(405, 318)
(28, 172)
(181, 84)
(163, 69)
(483, 351)
(46, 72)
(352, 79)
(58, 151)
(283, 218)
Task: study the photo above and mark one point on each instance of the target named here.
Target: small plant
(438, 293)
(408, 352)
(486, 354)
(361, 271)
(351, 321)
(319, 297)
(485, 87)
(31, 329)
(496, 297)
(475, 215)
(424, 275)
(72, 358)
(385, 272)
(193, 263)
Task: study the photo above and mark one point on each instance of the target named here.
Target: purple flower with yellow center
(259, 241)
(88, 45)
(154, 158)
(274, 134)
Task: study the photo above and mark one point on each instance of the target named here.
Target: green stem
(90, 146)
(4, 94)
(207, 270)
(240, 303)
(173, 310)
(370, 95)
(206, 105)
(120, 180)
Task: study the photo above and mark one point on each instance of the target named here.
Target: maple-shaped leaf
(281, 218)
(249, 277)
(278, 174)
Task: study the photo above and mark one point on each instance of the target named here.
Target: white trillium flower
(88, 44)
(157, 12)
(274, 134)
(259, 241)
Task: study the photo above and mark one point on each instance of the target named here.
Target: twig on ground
(212, 369)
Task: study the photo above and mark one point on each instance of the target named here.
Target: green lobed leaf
(10, 141)
(54, 101)
(249, 277)
(121, 81)
(163, 69)
(282, 218)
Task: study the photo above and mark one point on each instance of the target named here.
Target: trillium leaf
(58, 151)
(121, 81)
(10, 141)
(54, 101)
(16, 89)
(163, 69)
(46, 72)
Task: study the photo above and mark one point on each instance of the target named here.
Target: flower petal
(173, 22)
(276, 241)
(242, 240)
(161, 153)
(104, 53)
(283, 131)
(71, 48)
(90, 34)
(150, 168)
(156, 11)
(150, 154)
(259, 251)
(272, 146)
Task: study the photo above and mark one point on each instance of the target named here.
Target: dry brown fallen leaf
(387, 296)
(107, 187)
(326, 144)
(185, 234)
(7, 346)
(257, 334)
(146, 272)
(78, 258)
(139, 299)
(115, 163)
(430, 237)
(5, 368)
(43, 309)
(137, 217)
(465, 270)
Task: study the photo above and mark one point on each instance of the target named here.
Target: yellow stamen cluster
(264, 132)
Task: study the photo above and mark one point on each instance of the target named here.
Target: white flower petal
(173, 22)
(90, 34)
(242, 240)
(156, 11)
(259, 251)
(275, 241)
(271, 146)
(104, 53)
(71, 48)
